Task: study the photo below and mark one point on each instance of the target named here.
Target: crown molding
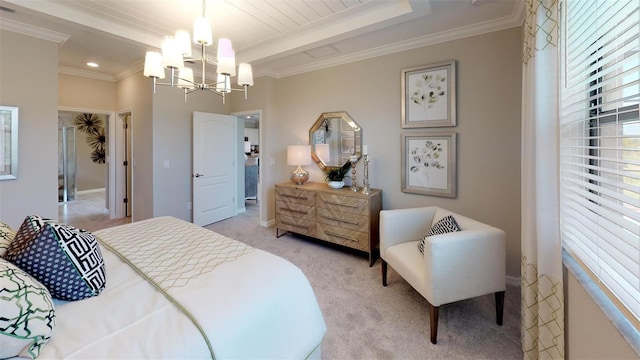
(507, 22)
(33, 31)
(85, 74)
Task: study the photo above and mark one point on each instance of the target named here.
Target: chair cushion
(65, 259)
(446, 225)
(27, 316)
(6, 236)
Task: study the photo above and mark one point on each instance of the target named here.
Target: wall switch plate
(166, 164)
(189, 205)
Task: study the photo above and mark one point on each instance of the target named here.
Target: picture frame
(429, 163)
(429, 95)
(8, 142)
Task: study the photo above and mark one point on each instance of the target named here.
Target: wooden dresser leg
(499, 306)
(433, 315)
(384, 272)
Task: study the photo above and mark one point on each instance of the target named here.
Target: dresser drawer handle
(293, 211)
(340, 220)
(295, 225)
(295, 197)
(345, 205)
(341, 236)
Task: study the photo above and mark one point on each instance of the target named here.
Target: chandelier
(176, 50)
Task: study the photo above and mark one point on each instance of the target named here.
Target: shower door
(66, 163)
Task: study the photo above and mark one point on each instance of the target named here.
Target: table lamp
(298, 155)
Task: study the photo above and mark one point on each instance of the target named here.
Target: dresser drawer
(340, 203)
(296, 224)
(349, 238)
(345, 220)
(295, 210)
(295, 196)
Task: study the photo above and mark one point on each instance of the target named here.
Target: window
(600, 142)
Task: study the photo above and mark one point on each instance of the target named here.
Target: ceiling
(278, 37)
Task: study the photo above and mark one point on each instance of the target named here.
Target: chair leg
(433, 315)
(384, 272)
(499, 307)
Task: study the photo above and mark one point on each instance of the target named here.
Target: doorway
(123, 163)
(250, 121)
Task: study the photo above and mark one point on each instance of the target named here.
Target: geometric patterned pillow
(6, 235)
(63, 258)
(446, 225)
(27, 316)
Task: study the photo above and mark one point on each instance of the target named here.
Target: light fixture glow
(92, 64)
(177, 49)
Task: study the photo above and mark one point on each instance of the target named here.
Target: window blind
(600, 141)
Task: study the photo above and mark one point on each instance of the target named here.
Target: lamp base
(299, 176)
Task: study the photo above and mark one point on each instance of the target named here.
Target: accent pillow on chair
(65, 259)
(27, 316)
(6, 236)
(446, 225)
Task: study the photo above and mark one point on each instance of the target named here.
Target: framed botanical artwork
(429, 163)
(8, 142)
(429, 95)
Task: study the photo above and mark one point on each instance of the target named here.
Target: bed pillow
(6, 235)
(27, 316)
(446, 225)
(65, 259)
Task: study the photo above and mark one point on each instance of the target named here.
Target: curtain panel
(542, 303)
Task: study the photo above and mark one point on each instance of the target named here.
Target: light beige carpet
(368, 321)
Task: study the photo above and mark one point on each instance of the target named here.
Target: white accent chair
(455, 266)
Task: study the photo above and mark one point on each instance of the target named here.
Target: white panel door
(214, 168)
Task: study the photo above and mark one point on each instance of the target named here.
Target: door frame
(261, 167)
(111, 115)
(118, 178)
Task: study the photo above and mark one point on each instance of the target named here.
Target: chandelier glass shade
(176, 50)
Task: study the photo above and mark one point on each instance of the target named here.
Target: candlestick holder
(365, 182)
(354, 161)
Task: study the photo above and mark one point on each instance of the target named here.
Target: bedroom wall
(134, 94)
(25, 61)
(172, 141)
(488, 108)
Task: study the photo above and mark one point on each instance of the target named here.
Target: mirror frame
(357, 136)
(9, 144)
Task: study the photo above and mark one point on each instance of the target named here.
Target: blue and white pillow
(27, 315)
(65, 259)
(446, 225)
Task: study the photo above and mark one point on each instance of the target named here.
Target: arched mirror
(334, 138)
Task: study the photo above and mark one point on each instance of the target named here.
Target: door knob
(198, 175)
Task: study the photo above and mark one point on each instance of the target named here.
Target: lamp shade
(298, 155)
(322, 150)
(245, 75)
(227, 65)
(224, 48)
(184, 42)
(153, 65)
(185, 79)
(171, 56)
(202, 34)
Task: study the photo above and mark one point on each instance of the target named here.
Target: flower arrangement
(337, 173)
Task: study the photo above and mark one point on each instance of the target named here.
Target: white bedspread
(257, 305)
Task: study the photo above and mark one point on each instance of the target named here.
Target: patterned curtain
(542, 292)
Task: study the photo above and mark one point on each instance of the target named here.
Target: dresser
(338, 216)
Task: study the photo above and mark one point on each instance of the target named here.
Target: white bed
(251, 304)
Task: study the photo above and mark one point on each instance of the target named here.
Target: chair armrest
(465, 264)
(401, 225)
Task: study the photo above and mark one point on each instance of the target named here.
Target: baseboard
(268, 223)
(513, 281)
(80, 192)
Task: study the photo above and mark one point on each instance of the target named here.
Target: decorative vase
(335, 184)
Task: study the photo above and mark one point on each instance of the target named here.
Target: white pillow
(27, 316)
(6, 236)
